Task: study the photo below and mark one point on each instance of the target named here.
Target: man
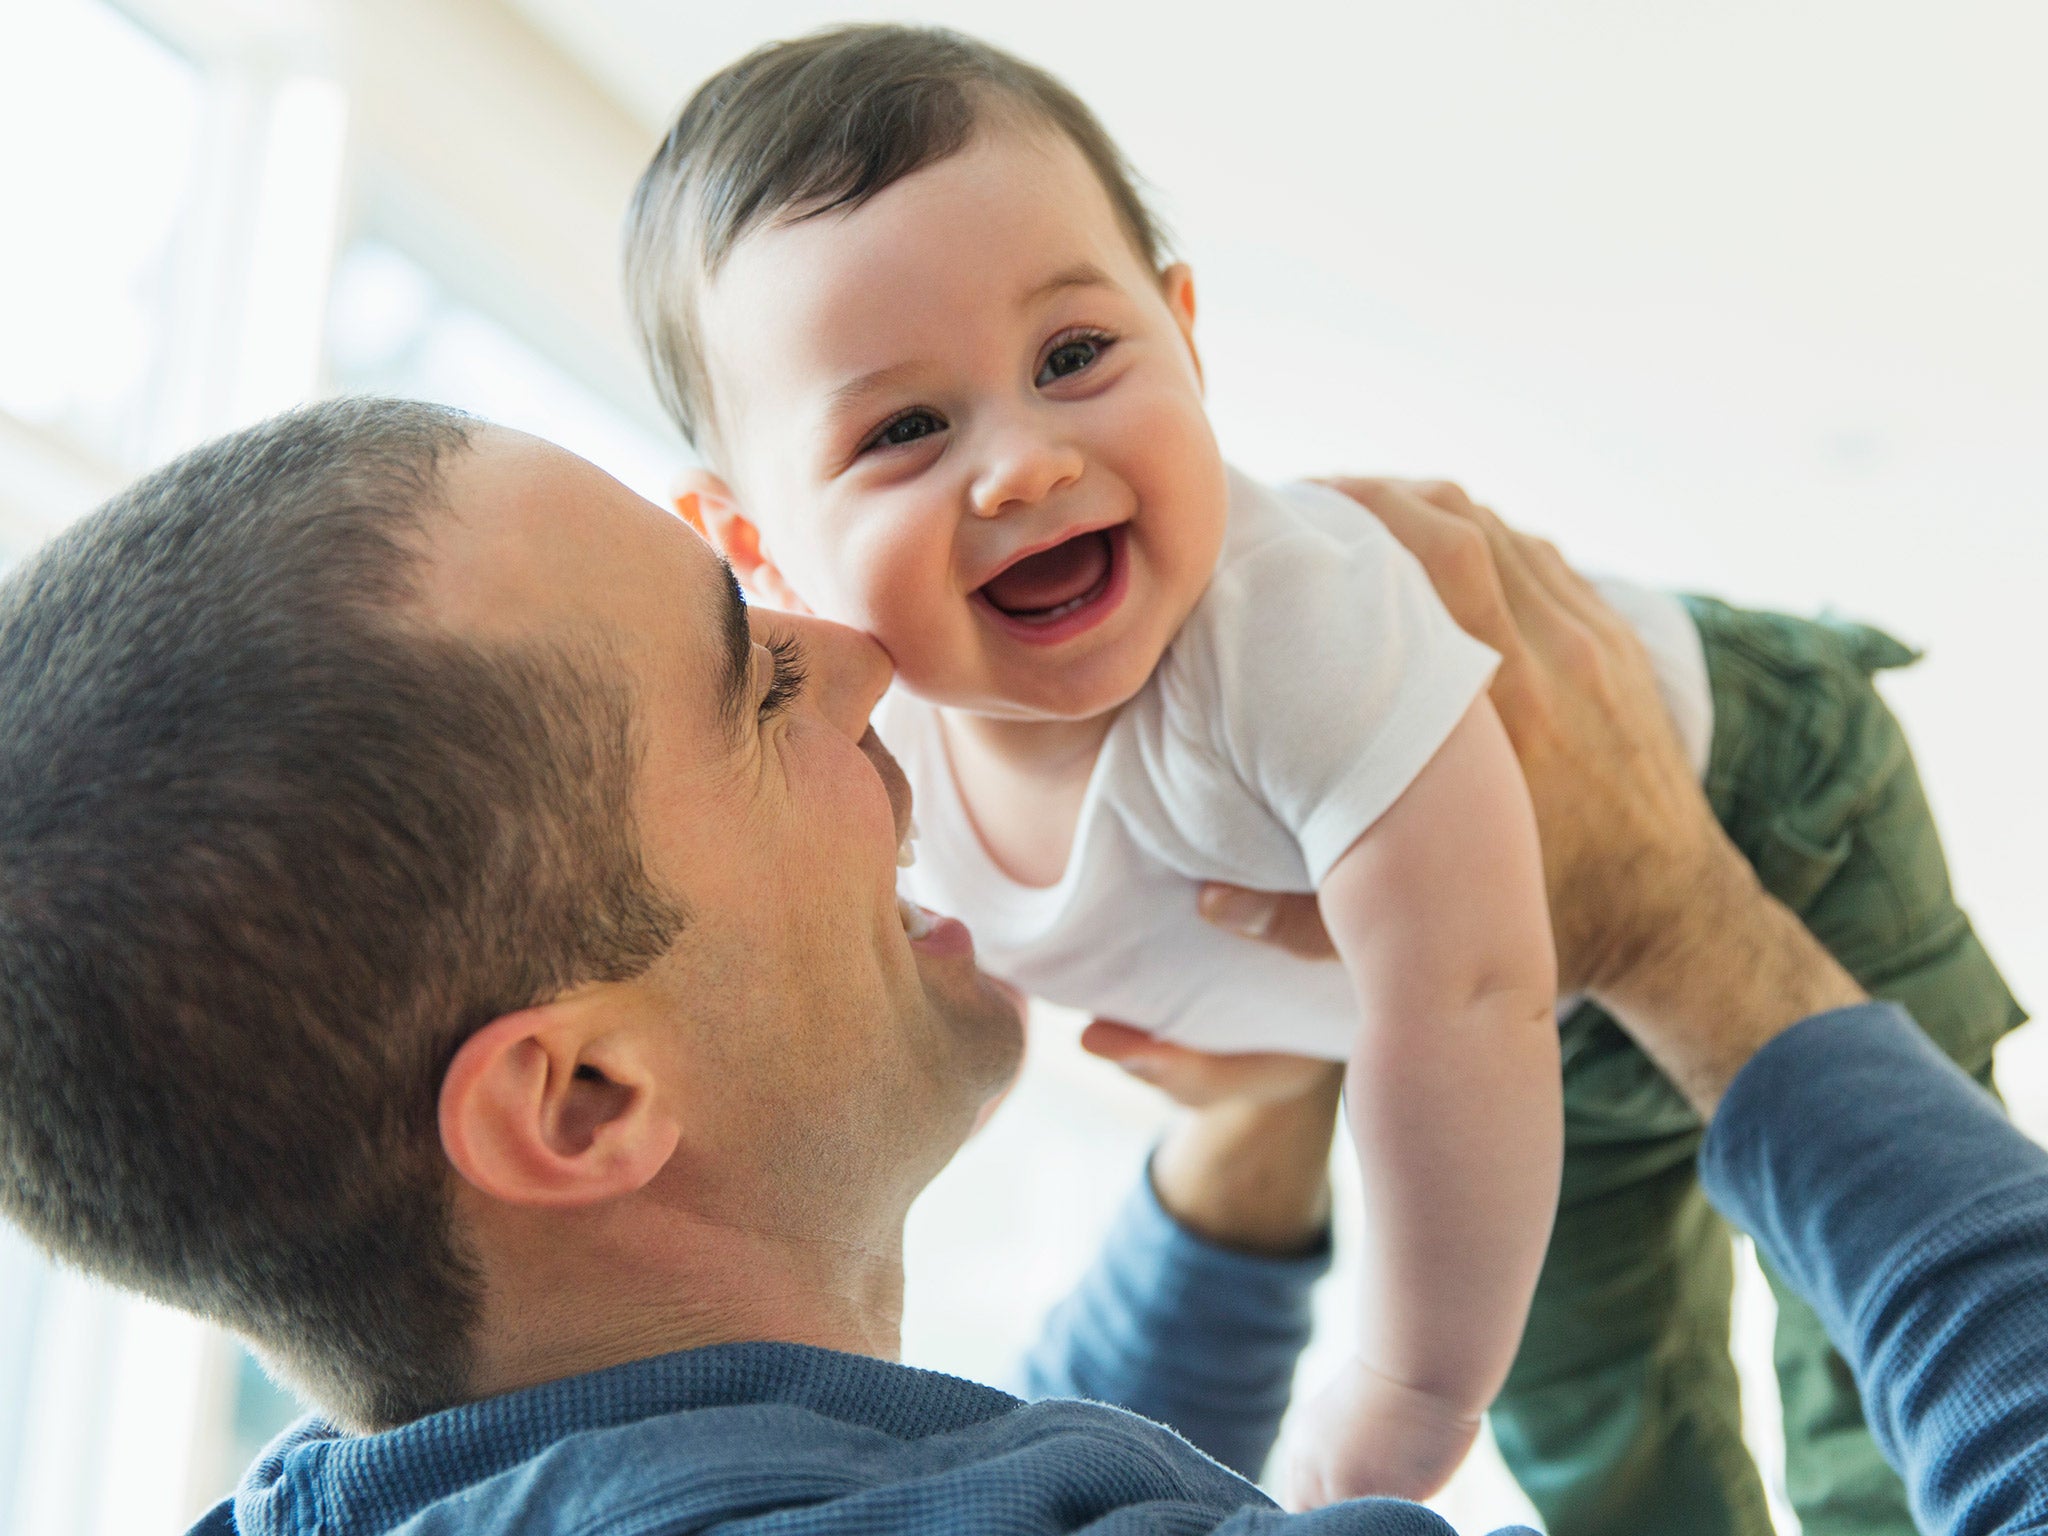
(443, 941)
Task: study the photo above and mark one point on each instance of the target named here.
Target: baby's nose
(1024, 467)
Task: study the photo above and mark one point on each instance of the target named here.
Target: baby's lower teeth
(1047, 615)
(906, 851)
(916, 921)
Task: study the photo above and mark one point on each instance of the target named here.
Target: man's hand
(1627, 834)
(1249, 1168)
(1656, 913)
(1207, 1079)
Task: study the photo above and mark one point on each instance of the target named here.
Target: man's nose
(845, 672)
(1025, 465)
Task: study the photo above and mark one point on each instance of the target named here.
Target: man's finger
(1447, 494)
(1189, 1076)
(1290, 920)
(1115, 1042)
(1452, 551)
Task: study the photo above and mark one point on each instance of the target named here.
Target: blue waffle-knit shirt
(1883, 1182)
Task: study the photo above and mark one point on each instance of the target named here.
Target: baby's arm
(1453, 1095)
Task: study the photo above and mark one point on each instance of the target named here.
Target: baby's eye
(907, 428)
(1071, 356)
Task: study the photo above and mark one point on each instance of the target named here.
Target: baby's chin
(1058, 694)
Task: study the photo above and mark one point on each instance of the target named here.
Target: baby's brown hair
(821, 123)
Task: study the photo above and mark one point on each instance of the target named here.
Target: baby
(899, 290)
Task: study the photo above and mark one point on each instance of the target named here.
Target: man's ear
(707, 504)
(1177, 287)
(545, 1107)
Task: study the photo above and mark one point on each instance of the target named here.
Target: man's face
(811, 1030)
(967, 419)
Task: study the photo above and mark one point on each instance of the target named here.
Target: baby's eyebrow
(850, 396)
(1083, 274)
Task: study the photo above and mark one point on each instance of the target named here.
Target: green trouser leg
(1621, 1412)
(1621, 1415)
(1854, 851)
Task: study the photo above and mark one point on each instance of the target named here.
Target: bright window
(395, 329)
(102, 124)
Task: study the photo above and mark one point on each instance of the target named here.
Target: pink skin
(948, 940)
(969, 369)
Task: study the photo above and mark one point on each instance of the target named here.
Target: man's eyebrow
(736, 689)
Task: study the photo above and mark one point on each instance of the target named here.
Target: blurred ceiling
(650, 53)
(1851, 169)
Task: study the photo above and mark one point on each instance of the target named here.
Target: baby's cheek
(799, 558)
(900, 592)
(930, 661)
(1193, 493)
(840, 582)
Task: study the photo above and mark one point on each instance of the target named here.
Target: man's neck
(564, 1300)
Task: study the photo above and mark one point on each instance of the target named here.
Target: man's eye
(787, 653)
(907, 428)
(1070, 357)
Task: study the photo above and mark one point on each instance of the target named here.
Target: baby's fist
(1368, 1436)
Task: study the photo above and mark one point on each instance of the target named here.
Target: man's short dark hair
(270, 849)
(802, 128)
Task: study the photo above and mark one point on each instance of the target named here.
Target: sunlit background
(1745, 298)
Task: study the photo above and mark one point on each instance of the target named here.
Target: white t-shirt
(1313, 682)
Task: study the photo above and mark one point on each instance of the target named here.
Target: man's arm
(1881, 1181)
(1197, 1309)
(1655, 912)
(1892, 1193)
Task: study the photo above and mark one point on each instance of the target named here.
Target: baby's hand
(1370, 1436)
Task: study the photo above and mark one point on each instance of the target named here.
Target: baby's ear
(706, 503)
(1177, 287)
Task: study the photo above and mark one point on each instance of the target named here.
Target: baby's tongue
(1052, 576)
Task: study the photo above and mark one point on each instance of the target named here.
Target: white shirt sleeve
(1318, 676)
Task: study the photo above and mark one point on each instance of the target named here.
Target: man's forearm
(1728, 973)
(1198, 1308)
(1253, 1177)
(1197, 1337)
(1895, 1197)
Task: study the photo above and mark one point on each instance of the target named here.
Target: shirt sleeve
(1896, 1198)
(1313, 684)
(1187, 1334)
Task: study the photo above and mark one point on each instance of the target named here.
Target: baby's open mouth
(1044, 588)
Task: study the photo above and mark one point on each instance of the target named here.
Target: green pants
(1621, 1414)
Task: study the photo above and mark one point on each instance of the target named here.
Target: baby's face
(967, 418)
